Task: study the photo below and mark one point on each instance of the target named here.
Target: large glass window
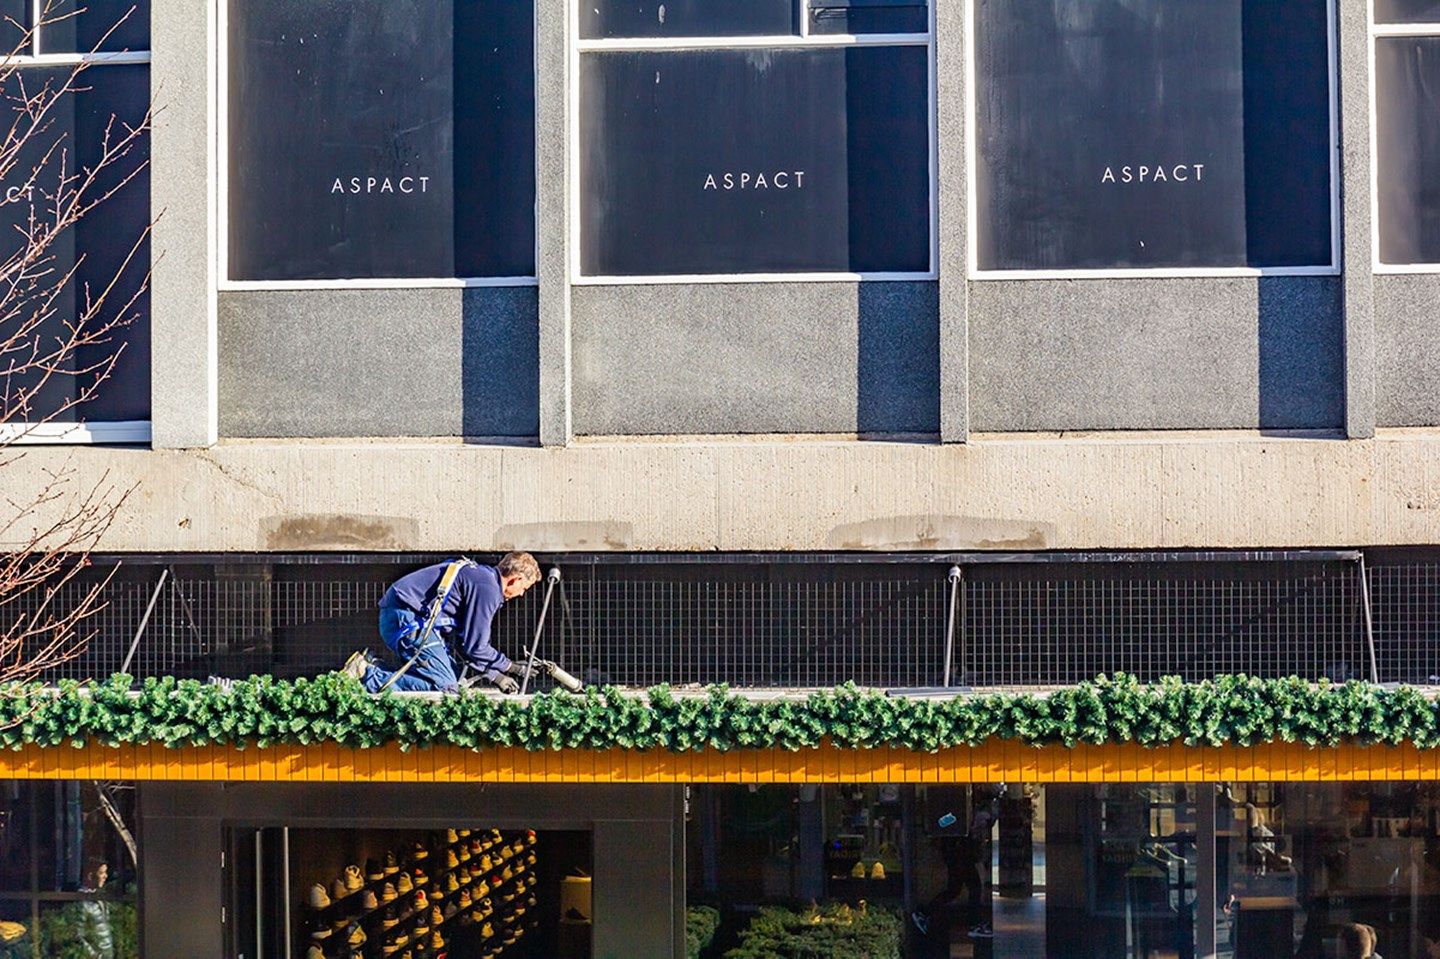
(1407, 135)
(68, 870)
(1067, 871)
(381, 139)
(775, 137)
(1151, 135)
(76, 207)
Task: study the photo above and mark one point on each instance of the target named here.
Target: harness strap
(442, 593)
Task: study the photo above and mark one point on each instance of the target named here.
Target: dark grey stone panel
(423, 362)
(1157, 354)
(1407, 350)
(756, 358)
(181, 879)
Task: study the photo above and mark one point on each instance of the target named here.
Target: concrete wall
(1133, 490)
(1274, 353)
(443, 362)
(1407, 350)
(757, 358)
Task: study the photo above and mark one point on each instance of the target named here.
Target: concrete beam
(1097, 491)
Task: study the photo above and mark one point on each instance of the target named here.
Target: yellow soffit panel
(993, 762)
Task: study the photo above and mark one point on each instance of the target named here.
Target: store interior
(463, 892)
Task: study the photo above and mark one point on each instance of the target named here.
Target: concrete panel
(1156, 354)
(1407, 350)
(1353, 39)
(952, 130)
(1101, 491)
(183, 401)
(634, 911)
(181, 880)
(429, 362)
(552, 178)
(756, 358)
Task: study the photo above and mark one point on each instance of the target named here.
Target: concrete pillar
(552, 210)
(1352, 37)
(183, 363)
(950, 32)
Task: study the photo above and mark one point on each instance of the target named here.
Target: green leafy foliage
(265, 711)
(834, 932)
(701, 922)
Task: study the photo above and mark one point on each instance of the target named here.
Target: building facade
(911, 344)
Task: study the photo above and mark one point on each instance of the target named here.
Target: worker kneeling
(425, 614)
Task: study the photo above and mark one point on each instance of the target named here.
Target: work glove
(505, 684)
(515, 669)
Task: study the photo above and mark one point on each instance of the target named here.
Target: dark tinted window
(868, 16)
(107, 99)
(14, 22)
(1152, 134)
(1407, 135)
(82, 26)
(381, 138)
(755, 161)
(686, 18)
(1407, 11)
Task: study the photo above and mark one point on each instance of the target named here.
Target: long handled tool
(552, 578)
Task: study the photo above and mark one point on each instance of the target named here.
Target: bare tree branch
(61, 337)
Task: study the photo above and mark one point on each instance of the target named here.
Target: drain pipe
(1369, 621)
(955, 576)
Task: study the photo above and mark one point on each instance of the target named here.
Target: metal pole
(551, 579)
(954, 577)
(1369, 623)
(135, 643)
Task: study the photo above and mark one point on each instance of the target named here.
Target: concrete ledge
(1090, 491)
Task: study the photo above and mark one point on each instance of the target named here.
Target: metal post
(551, 579)
(1369, 622)
(140, 631)
(954, 576)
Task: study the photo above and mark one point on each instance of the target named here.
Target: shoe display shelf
(508, 884)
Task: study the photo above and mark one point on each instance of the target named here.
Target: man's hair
(519, 564)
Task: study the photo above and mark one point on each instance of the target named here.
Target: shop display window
(1152, 135)
(374, 139)
(809, 154)
(467, 892)
(69, 862)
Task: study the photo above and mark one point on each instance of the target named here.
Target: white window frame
(1333, 268)
(87, 433)
(1379, 31)
(802, 40)
(222, 178)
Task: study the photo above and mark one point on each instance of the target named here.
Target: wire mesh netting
(768, 622)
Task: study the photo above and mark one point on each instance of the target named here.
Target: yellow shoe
(877, 871)
(486, 863)
(451, 836)
(403, 884)
(487, 931)
(451, 860)
(858, 872)
(356, 937)
(451, 883)
(437, 941)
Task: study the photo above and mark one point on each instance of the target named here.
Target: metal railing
(1027, 620)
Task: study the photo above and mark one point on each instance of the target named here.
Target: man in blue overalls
(461, 598)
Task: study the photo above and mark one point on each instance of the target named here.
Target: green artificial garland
(334, 708)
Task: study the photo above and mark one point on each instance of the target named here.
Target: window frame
(221, 178)
(86, 432)
(800, 39)
(972, 226)
(1377, 32)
